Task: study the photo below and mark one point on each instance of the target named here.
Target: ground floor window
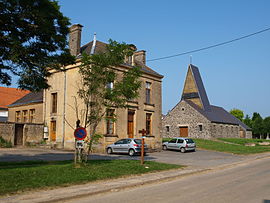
(148, 123)
(110, 121)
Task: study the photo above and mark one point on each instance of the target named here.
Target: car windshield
(138, 141)
(189, 141)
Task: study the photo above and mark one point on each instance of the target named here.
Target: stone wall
(7, 131)
(224, 130)
(184, 115)
(33, 133)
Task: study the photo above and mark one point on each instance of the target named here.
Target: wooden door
(53, 131)
(183, 131)
(18, 140)
(130, 124)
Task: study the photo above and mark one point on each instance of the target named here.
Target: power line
(212, 46)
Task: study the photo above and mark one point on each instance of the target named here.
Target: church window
(200, 127)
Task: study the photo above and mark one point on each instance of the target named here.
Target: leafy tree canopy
(248, 121)
(257, 124)
(266, 125)
(33, 36)
(237, 113)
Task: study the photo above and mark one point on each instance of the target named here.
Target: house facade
(194, 117)
(61, 99)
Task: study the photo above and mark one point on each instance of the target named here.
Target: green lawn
(243, 141)
(22, 176)
(231, 148)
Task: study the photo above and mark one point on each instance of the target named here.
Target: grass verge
(23, 176)
(243, 141)
(231, 148)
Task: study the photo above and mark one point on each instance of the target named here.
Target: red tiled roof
(9, 95)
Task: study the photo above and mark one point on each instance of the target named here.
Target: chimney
(140, 56)
(75, 39)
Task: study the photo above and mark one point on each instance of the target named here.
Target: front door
(53, 131)
(18, 134)
(130, 125)
(184, 131)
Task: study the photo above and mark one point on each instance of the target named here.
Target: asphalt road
(198, 159)
(249, 182)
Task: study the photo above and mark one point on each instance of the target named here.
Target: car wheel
(109, 150)
(164, 147)
(131, 152)
(183, 150)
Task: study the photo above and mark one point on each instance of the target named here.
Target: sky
(235, 75)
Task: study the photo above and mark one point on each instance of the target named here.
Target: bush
(4, 143)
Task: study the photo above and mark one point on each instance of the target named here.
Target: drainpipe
(64, 109)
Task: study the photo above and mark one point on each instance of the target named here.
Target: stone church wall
(224, 130)
(184, 115)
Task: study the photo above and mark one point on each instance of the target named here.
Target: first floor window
(147, 92)
(110, 121)
(54, 103)
(148, 123)
(24, 116)
(18, 116)
(31, 115)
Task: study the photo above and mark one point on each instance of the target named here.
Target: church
(195, 117)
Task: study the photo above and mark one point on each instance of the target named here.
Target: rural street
(199, 159)
(249, 182)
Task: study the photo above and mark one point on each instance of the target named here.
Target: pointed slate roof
(195, 95)
(194, 89)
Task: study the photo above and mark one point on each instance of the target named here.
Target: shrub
(4, 143)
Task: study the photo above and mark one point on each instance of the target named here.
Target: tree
(257, 124)
(102, 89)
(33, 37)
(248, 121)
(266, 126)
(237, 113)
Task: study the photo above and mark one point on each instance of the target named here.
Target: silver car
(128, 146)
(180, 143)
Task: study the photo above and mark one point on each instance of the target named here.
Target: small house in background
(194, 117)
(25, 120)
(7, 96)
(28, 109)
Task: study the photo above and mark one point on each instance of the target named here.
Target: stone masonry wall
(185, 115)
(33, 133)
(7, 131)
(224, 130)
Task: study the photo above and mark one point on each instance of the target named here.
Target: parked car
(128, 146)
(180, 143)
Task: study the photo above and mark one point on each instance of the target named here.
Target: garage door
(184, 131)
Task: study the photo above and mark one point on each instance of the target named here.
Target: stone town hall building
(194, 117)
(143, 113)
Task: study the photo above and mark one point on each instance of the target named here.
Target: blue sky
(235, 75)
